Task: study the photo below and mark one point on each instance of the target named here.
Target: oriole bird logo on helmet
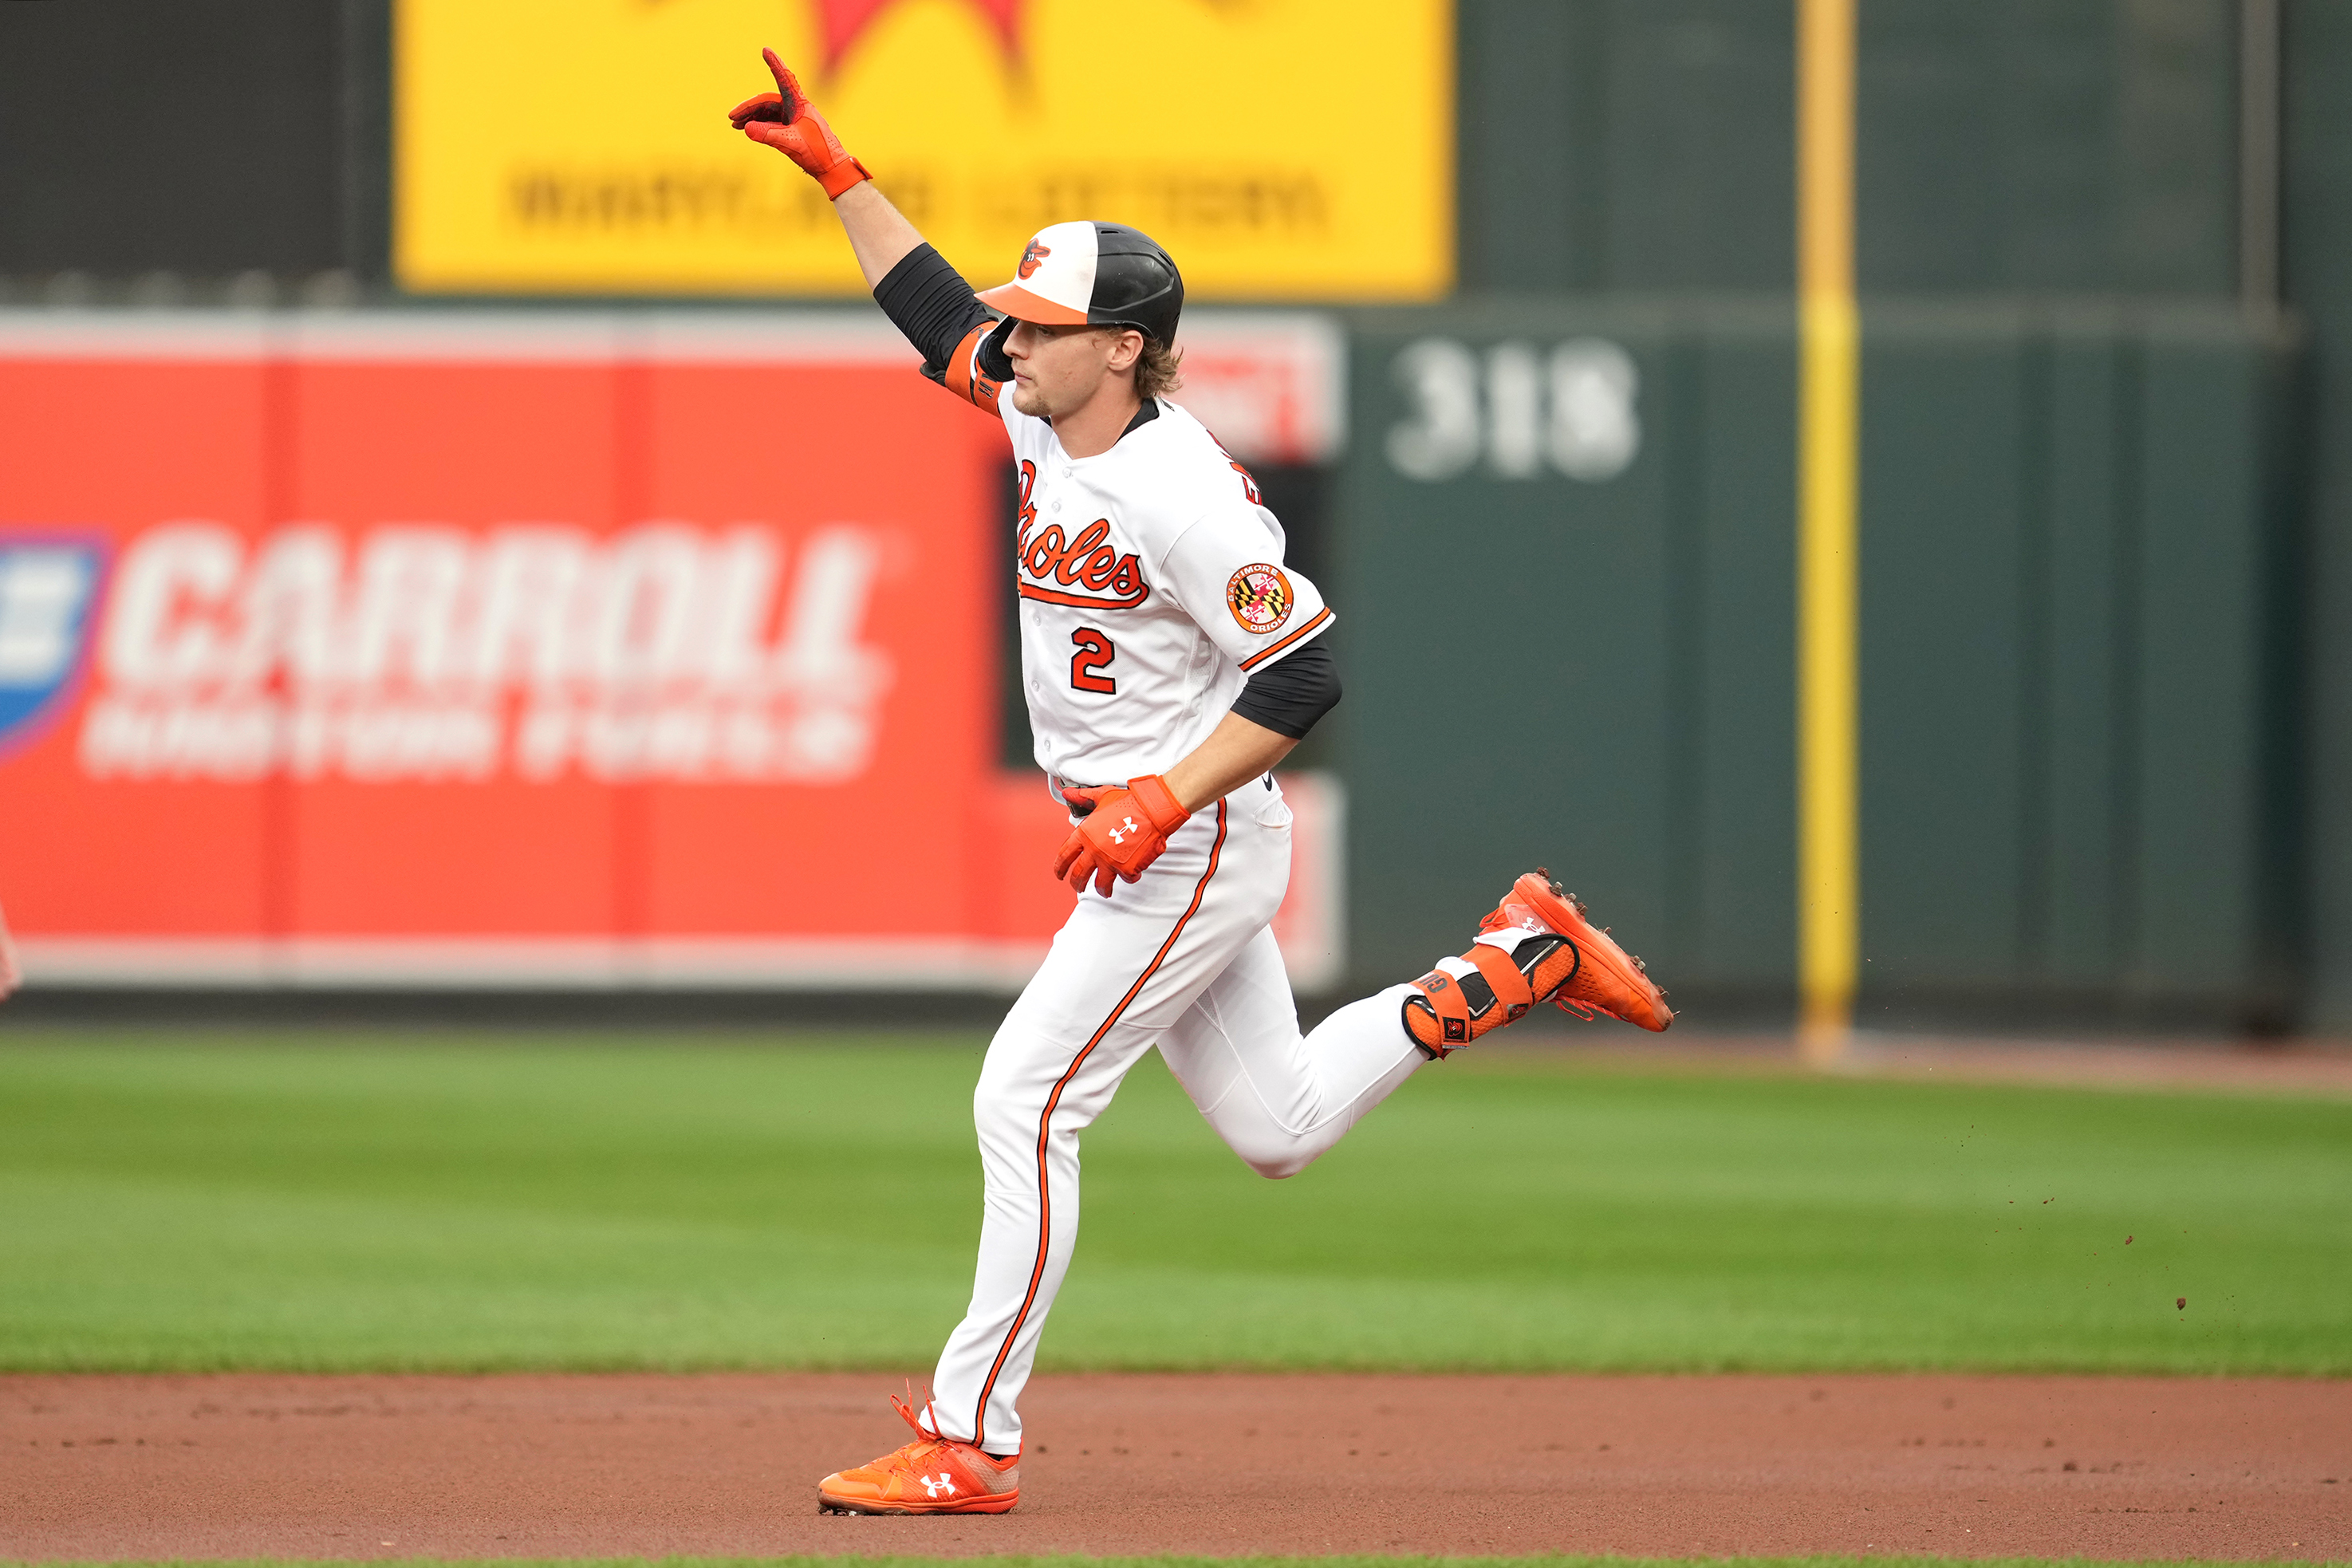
(1081, 274)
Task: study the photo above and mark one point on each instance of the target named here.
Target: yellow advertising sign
(1289, 148)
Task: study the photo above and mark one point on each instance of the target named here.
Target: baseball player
(1170, 659)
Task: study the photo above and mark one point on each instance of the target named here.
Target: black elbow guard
(928, 300)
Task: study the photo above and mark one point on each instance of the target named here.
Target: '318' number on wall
(1518, 409)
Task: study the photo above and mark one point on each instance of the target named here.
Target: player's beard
(1031, 400)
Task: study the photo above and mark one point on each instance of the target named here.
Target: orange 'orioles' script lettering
(1249, 485)
(1059, 570)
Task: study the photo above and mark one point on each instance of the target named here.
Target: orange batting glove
(1118, 830)
(786, 120)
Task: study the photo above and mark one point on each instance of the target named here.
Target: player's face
(1060, 369)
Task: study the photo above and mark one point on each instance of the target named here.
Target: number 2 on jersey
(1094, 650)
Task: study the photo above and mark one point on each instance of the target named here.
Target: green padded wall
(2318, 263)
(2028, 144)
(2070, 690)
(1592, 672)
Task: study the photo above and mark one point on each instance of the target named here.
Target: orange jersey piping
(1264, 654)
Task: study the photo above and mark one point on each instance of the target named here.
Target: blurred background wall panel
(2107, 500)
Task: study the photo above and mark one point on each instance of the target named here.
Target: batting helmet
(1094, 274)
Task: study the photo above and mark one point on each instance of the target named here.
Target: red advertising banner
(509, 650)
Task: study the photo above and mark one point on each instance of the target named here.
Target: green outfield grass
(364, 1200)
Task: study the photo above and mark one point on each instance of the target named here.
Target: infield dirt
(577, 1466)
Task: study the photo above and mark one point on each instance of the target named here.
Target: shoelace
(908, 1458)
(912, 1457)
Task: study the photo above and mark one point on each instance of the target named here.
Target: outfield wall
(1567, 532)
(540, 649)
(585, 649)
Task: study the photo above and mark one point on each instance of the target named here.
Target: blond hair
(1158, 369)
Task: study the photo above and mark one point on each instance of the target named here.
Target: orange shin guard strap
(1511, 988)
(1453, 1010)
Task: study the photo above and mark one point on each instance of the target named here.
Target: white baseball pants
(1181, 959)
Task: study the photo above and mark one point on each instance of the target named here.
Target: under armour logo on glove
(940, 1485)
(1097, 851)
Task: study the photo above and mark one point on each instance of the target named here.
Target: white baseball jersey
(1152, 583)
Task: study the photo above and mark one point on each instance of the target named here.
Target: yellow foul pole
(1829, 420)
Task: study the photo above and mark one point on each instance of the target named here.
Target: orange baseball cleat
(930, 1475)
(1563, 960)
(1610, 980)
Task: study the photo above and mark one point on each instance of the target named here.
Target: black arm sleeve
(929, 302)
(1288, 695)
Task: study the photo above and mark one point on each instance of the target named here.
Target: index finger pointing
(786, 83)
